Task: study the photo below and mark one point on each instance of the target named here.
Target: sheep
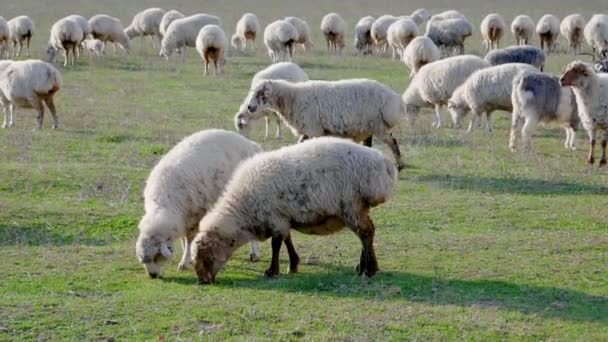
(147, 23)
(334, 30)
(109, 29)
(518, 54)
(21, 29)
(523, 28)
(182, 188)
(84, 25)
(379, 31)
(363, 35)
(95, 46)
(27, 84)
(539, 97)
(492, 29)
(400, 34)
(419, 52)
(449, 33)
(246, 31)
(317, 187)
(435, 82)
(572, 29)
(304, 37)
(596, 34)
(211, 44)
(420, 16)
(66, 34)
(4, 37)
(280, 39)
(280, 71)
(183, 32)
(485, 91)
(167, 19)
(591, 91)
(547, 29)
(449, 14)
(357, 108)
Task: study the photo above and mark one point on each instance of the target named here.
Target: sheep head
(210, 252)
(576, 75)
(259, 97)
(153, 252)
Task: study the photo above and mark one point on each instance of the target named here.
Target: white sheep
(358, 109)
(596, 34)
(591, 92)
(547, 29)
(523, 28)
(572, 29)
(84, 24)
(363, 35)
(21, 30)
(94, 46)
(66, 35)
(419, 52)
(449, 34)
(400, 34)
(420, 16)
(449, 14)
(5, 38)
(518, 54)
(183, 32)
(246, 30)
(212, 45)
(334, 30)
(434, 83)
(317, 187)
(492, 28)
(539, 97)
(379, 30)
(109, 29)
(304, 36)
(280, 71)
(280, 39)
(27, 84)
(167, 19)
(182, 188)
(485, 91)
(147, 23)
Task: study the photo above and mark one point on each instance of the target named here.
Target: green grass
(477, 243)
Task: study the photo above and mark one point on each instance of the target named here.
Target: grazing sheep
(518, 54)
(27, 84)
(5, 37)
(434, 83)
(419, 52)
(596, 34)
(420, 16)
(317, 187)
(358, 109)
(363, 35)
(246, 30)
(95, 46)
(66, 35)
(109, 29)
(547, 29)
(379, 30)
(572, 29)
(147, 23)
(400, 34)
(539, 97)
(591, 92)
(304, 37)
(485, 91)
(449, 34)
(21, 30)
(211, 44)
(84, 25)
(334, 30)
(280, 71)
(167, 19)
(523, 28)
(280, 40)
(182, 188)
(183, 32)
(492, 28)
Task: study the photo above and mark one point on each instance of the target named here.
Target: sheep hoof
(269, 274)
(254, 257)
(591, 161)
(4, 126)
(602, 162)
(182, 266)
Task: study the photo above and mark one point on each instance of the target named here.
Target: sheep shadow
(41, 235)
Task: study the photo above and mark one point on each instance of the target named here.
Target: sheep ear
(165, 251)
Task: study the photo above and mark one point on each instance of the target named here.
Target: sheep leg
(394, 146)
(368, 264)
(27, 41)
(472, 123)
(254, 251)
(40, 109)
(66, 53)
(51, 104)
(591, 158)
(516, 122)
(5, 123)
(11, 108)
(294, 259)
(488, 122)
(186, 258)
(278, 120)
(267, 128)
(603, 158)
(273, 270)
(527, 130)
(437, 124)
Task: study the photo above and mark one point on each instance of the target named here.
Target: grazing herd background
(477, 242)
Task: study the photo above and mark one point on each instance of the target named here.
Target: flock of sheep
(217, 190)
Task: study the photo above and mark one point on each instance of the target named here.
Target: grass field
(477, 244)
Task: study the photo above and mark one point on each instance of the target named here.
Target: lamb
(591, 91)
(317, 187)
(183, 32)
(419, 52)
(400, 34)
(304, 37)
(596, 34)
(435, 82)
(492, 28)
(363, 35)
(379, 30)
(4, 37)
(21, 29)
(211, 44)
(485, 91)
(66, 35)
(147, 23)
(280, 39)
(95, 46)
(449, 33)
(182, 188)
(280, 71)
(334, 30)
(420, 16)
(572, 29)
(27, 84)
(167, 19)
(358, 109)
(539, 97)
(523, 28)
(547, 29)
(109, 29)
(246, 30)
(518, 54)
